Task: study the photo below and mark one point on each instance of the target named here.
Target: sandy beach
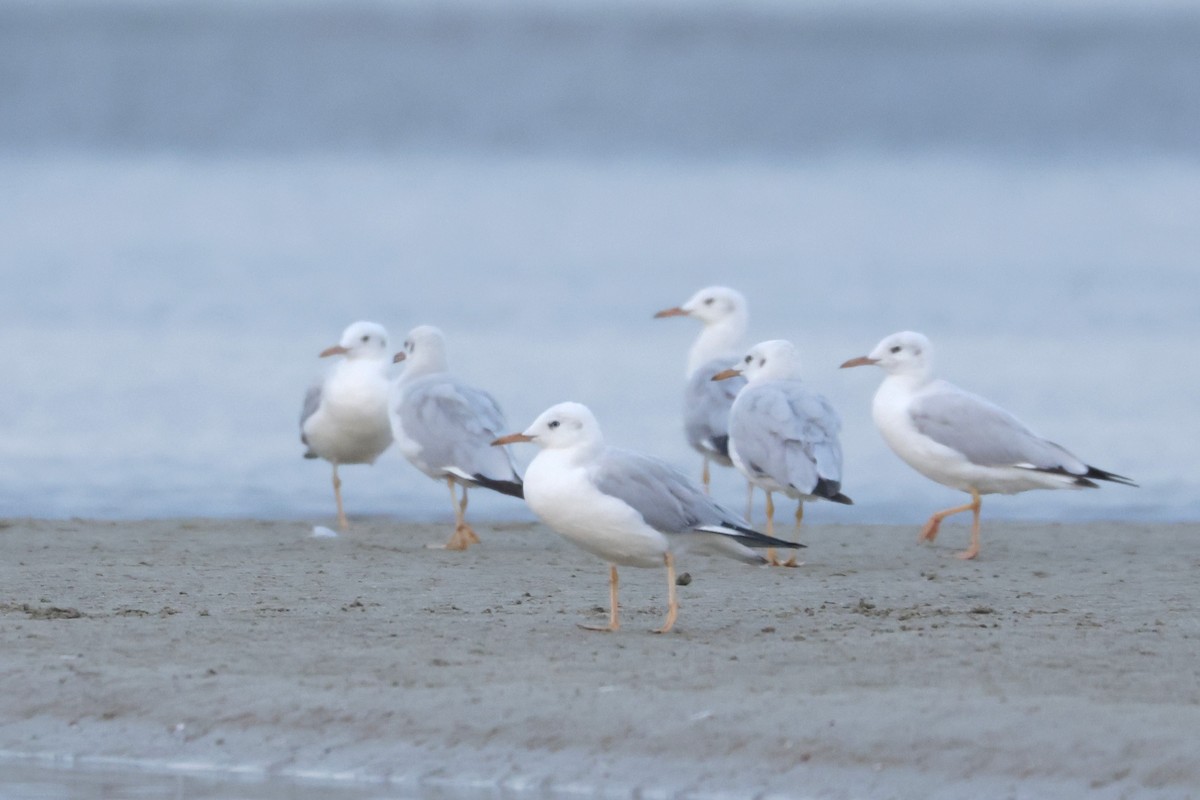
(1065, 661)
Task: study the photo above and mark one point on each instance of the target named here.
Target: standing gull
(782, 435)
(444, 428)
(344, 419)
(629, 509)
(706, 404)
(960, 439)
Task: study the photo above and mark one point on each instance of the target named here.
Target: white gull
(783, 436)
(627, 508)
(344, 419)
(444, 427)
(960, 439)
(706, 405)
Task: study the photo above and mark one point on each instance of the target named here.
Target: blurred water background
(196, 197)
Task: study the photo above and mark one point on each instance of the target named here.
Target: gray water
(195, 198)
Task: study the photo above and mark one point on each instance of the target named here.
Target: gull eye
(749, 359)
(762, 362)
(366, 338)
(896, 348)
(552, 424)
(708, 301)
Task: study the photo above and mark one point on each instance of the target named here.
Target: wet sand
(1065, 661)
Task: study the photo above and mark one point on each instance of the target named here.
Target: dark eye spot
(762, 362)
(896, 348)
(708, 301)
(553, 424)
(366, 338)
(749, 359)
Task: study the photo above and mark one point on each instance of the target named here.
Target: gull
(960, 439)
(627, 508)
(444, 427)
(706, 404)
(344, 419)
(783, 436)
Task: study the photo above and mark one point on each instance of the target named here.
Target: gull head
(904, 353)
(712, 305)
(561, 426)
(776, 359)
(424, 349)
(360, 340)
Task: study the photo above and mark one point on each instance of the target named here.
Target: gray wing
(706, 408)
(665, 498)
(787, 432)
(984, 433)
(455, 425)
(312, 401)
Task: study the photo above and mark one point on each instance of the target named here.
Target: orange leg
(672, 602)
(973, 550)
(343, 525)
(930, 531)
(771, 559)
(792, 562)
(613, 584)
(705, 477)
(468, 531)
(463, 537)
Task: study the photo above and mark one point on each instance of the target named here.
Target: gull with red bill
(444, 427)
(706, 404)
(344, 419)
(624, 507)
(960, 439)
(783, 436)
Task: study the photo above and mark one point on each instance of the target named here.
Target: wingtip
(1085, 481)
(1112, 477)
(718, 445)
(832, 491)
(749, 536)
(511, 488)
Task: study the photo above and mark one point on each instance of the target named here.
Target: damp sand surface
(1064, 661)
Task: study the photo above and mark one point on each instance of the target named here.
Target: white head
(777, 359)
(725, 316)
(712, 305)
(905, 353)
(424, 350)
(716, 304)
(562, 426)
(360, 340)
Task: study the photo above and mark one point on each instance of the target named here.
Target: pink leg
(613, 623)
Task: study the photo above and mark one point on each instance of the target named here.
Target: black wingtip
(510, 488)
(1101, 475)
(720, 444)
(1087, 479)
(752, 538)
(831, 490)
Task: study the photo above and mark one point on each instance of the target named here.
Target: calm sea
(195, 198)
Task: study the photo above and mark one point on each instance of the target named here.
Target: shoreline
(1066, 660)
